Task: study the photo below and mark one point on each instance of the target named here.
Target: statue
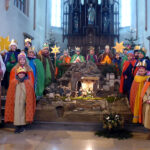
(91, 14)
(76, 23)
(106, 23)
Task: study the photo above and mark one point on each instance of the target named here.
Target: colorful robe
(38, 71)
(145, 107)
(125, 58)
(135, 97)
(126, 77)
(117, 63)
(105, 58)
(11, 59)
(92, 58)
(29, 101)
(60, 70)
(75, 58)
(48, 69)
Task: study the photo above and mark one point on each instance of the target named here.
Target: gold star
(55, 50)
(119, 47)
(4, 43)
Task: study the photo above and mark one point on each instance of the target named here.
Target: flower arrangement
(112, 121)
(113, 127)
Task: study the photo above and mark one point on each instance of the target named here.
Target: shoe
(17, 130)
(22, 129)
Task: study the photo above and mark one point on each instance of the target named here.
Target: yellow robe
(146, 109)
(140, 80)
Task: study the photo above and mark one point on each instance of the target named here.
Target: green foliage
(113, 127)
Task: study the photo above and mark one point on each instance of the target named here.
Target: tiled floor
(68, 140)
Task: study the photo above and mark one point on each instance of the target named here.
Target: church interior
(75, 74)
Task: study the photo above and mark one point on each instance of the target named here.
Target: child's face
(13, 47)
(136, 54)
(130, 57)
(21, 75)
(78, 52)
(141, 55)
(22, 61)
(91, 52)
(31, 54)
(107, 50)
(142, 71)
(117, 56)
(45, 50)
(65, 54)
(27, 44)
(125, 52)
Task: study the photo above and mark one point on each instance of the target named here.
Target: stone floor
(48, 139)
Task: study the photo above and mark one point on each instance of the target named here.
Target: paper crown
(130, 52)
(27, 40)
(46, 45)
(77, 49)
(13, 42)
(143, 51)
(142, 64)
(107, 46)
(21, 70)
(31, 49)
(137, 47)
(91, 48)
(22, 55)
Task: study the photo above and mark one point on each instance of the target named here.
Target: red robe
(125, 66)
(30, 101)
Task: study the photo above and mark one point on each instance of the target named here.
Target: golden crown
(137, 47)
(21, 70)
(27, 40)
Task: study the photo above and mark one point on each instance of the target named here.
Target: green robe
(39, 78)
(125, 58)
(74, 57)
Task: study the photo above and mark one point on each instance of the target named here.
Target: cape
(38, 77)
(92, 58)
(30, 101)
(48, 69)
(145, 88)
(128, 72)
(74, 57)
(125, 58)
(135, 97)
(105, 58)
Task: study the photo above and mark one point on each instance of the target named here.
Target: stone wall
(14, 22)
(142, 33)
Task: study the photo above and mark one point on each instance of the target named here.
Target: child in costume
(125, 56)
(11, 59)
(142, 57)
(77, 58)
(117, 62)
(63, 60)
(136, 89)
(144, 112)
(20, 101)
(44, 56)
(2, 72)
(27, 45)
(106, 57)
(38, 71)
(92, 57)
(22, 61)
(127, 76)
(136, 52)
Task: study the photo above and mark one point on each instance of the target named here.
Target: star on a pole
(4, 43)
(119, 47)
(55, 50)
